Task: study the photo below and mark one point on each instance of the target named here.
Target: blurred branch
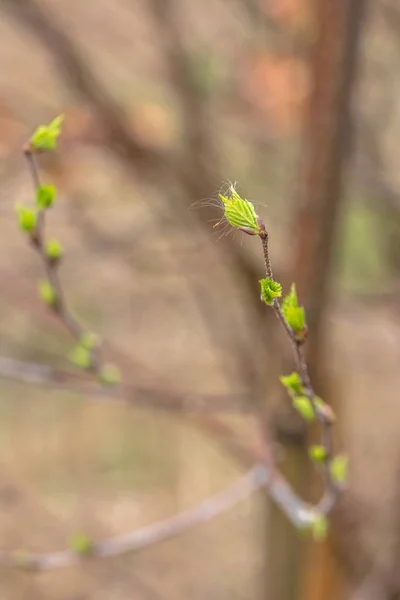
(148, 536)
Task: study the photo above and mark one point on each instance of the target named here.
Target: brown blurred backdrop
(166, 101)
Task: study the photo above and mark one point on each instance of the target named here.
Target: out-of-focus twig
(148, 536)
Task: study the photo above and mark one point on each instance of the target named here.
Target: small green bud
(339, 469)
(45, 136)
(110, 375)
(27, 218)
(293, 384)
(81, 544)
(293, 313)
(320, 528)
(240, 213)
(304, 407)
(270, 290)
(318, 454)
(47, 293)
(89, 340)
(81, 357)
(54, 250)
(45, 196)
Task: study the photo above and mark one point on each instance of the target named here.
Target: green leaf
(339, 469)
(89, 340)
(304, 407)
(294, 314)
(270, 290)
(27, 218)
(47, 293)
(293, 384)
(240, 213)
(54, 249)
(110, 375)
(45, 196)
(81, 357)
(81, 544)
(320, 528)
(318, 454)
(45, 136)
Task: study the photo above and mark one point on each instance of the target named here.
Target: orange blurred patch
(153, 124)
(277, 86)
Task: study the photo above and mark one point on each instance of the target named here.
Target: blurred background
(165, 103)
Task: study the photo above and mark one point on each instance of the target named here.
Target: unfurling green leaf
(45, 196)
(304, 407)
(110, 375)
(339, 469)
(45, 136)
(27, 218)
(240, 213)
(47, 293)
(320, 528)
(89, 340)
(270, 290)
(318, 454)
(81, 544)
(294, 314)
(54, 250)
(82, 357)
(293, 384)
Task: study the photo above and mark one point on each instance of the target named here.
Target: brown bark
(325, 153)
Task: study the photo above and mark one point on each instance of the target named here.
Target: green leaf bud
(318, 454)
(47, 293)
(339, 469)
(270, 290)
(54, 250)
(82, 357)
(27, 218)
(89, 340)
(304, 407)
(320, 528)
(110, 375)
(45, 196)
(293, 313)
(45, 137)
(81, 544)
(293, 384)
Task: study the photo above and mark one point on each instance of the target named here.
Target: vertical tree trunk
(326, 140)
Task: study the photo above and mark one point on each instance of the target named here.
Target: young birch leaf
(27, 218)
(47, 293)
(270, 290)
(240, 213)
(318, 454)
(293, 384)
(89, 340)
(320, 528)
(81, 544)
(110, 375)
(45, 136)
(339, 469)
(304, 407)
(45, 196)
(54, 250)
(294, 314)
(82, 357)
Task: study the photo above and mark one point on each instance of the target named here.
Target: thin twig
(323, 414)
(51, 267)
(140, 539)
